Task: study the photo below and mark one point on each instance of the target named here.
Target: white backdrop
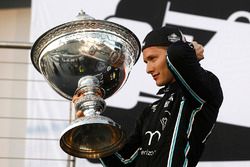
(226, 54)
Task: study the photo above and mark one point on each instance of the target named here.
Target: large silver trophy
(91, 60)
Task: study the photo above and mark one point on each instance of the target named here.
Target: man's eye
(152, 59)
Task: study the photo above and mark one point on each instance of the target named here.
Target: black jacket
(172, 131)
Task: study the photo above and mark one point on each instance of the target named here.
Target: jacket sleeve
(128, 154)
(196, 82)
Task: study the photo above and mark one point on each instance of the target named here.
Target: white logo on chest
(171, 98)
(153, 108)
(152, 134)
(164, 121)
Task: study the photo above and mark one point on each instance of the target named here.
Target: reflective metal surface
(70, 51)
(91, 60)
(92, 137)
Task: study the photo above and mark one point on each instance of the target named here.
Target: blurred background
(32, 115)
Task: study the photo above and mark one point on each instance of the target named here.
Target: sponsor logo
(173, 38)
(152, 134)
(148, 152)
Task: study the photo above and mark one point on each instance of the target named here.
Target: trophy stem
(89, 96)
(93, 135)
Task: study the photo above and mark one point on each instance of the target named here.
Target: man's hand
(75, 98)
(79, 114)
(199, 50)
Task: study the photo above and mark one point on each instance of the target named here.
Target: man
(172, 131)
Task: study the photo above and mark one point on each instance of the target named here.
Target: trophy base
(92, 137)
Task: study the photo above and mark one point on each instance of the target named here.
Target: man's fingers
(79, 114)
(199, 50)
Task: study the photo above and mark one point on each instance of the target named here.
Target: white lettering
(152, 135)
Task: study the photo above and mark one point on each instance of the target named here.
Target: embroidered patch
(173, 38)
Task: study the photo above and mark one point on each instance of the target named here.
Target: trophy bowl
(89, 59)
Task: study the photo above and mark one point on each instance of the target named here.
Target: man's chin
(159, 84)
(163, 83)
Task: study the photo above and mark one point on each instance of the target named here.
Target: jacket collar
(167, 88)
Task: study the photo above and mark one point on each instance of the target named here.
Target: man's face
(155, 59)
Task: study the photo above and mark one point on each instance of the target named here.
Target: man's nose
(149, 68)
